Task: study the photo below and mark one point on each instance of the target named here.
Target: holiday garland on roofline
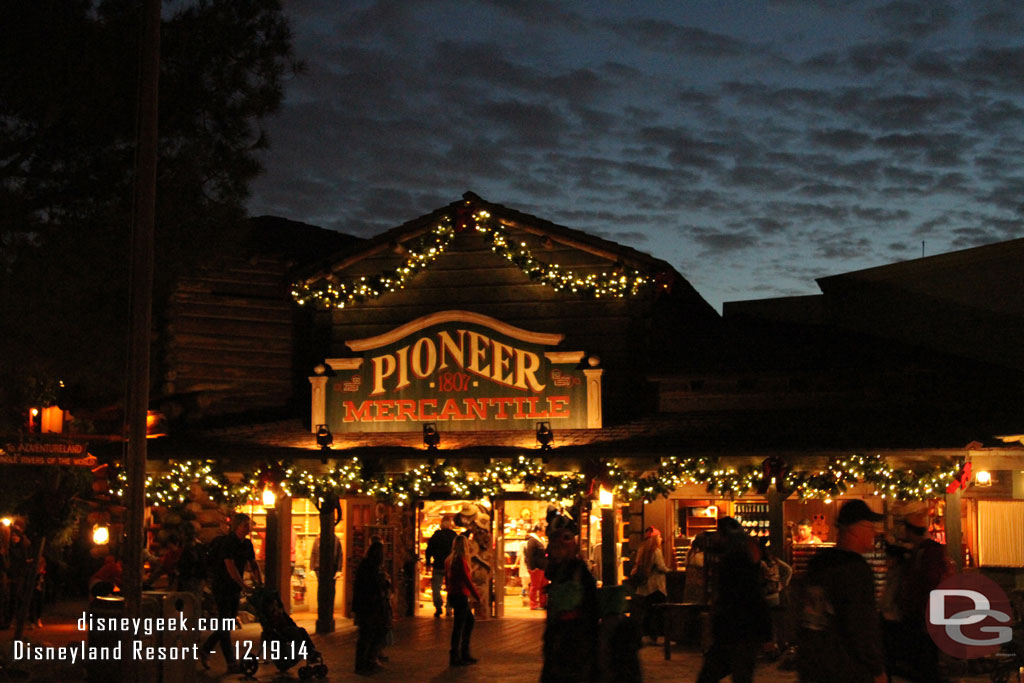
(354, 477)
(420, 253)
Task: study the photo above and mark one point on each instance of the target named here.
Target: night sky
(754, 145)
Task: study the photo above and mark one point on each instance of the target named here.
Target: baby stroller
(282, 642)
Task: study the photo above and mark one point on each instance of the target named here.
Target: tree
(67, 116)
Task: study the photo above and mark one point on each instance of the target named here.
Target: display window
(304, 530)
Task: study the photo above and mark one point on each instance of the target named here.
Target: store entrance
(498, 568)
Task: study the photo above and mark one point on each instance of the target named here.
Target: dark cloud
(993, 116)
(825, 190)
(804, 212)
(915, 19)
(891, 112)
(933, 65)
(843, 139)
(716, 241)
(534, 125)
(682, 148)
(1000, 17)
(880, 215)
(541, 12)
(997, 68)
(684, 40)
(841, 246)
(763, 178)
(868, 58)
(861, 172)
(768, 226)
(938, 150)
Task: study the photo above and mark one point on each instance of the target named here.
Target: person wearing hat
(924, 568)
(840, 629)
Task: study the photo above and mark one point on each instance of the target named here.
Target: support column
(954, 530)
(609, 558)
(499, 557)
(593, 376)
(330, 515)
(318, 397)
(776, 522)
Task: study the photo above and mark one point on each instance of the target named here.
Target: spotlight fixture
(324, 439)
(544, 435)
(431, 437)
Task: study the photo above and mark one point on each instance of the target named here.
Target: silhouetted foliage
(68, 72)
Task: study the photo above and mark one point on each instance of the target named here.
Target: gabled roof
(393, 238)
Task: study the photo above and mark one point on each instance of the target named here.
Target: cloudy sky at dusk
(753, 144)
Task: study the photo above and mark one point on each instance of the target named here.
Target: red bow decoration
(962, 480)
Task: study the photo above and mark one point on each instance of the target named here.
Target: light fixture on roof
(324, 439)
(544, 435)
(431, 437)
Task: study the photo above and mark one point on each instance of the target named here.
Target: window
(1001, 533)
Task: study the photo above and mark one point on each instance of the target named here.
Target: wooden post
(330, 511)
(954, 532)
(143, 222)
(272, 550)
(499, 557)
(776, 522)
(609, 559)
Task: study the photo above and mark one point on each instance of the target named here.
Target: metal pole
(144, 219)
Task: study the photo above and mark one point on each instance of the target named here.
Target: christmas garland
(354, 478)
(423, 251)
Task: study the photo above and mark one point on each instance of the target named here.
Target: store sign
(460, 370)
(47, 453)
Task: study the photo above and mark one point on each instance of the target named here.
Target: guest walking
(371, 609)
(649, 577)
(571, 629)
(230, 555)
(740, 623)
(536, 557)
(439, 547)
(460, 590)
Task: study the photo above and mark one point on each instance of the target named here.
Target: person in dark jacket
(840, 628)
(923, 569)
(439, 547)
(460, 591)
(740, 622)
(371, 608)
(571, 628)
(232, 553)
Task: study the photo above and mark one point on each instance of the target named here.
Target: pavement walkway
(509, 649)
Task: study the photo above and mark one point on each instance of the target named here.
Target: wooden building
(477, 324)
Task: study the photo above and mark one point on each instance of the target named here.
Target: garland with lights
(352, 478)
(423, 251)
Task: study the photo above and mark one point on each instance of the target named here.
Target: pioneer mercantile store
(490, 365)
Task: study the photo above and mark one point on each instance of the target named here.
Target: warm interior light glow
(983, 478)
(100, 534)
(605, 497)
(156, 425)
(269, 499)
(828, 501)
(35, 412)
(6, 521)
